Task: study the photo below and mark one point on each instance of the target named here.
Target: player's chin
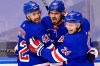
(54, 22)
(38, 21)
(70, 32)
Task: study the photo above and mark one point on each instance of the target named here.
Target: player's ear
(28, 16)
(78, 25)
(64, 12)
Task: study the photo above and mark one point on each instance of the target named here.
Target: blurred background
(11, 16)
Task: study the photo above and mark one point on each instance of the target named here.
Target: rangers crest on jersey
(61, 39)
(45, 38)
(65, 51)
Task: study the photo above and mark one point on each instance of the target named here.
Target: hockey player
(31, 28)
(74, 47)
(55, 24)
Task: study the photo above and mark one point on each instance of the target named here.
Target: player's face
(36, 16)
(72, 27)
(55, 17)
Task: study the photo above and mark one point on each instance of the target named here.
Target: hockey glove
(92, 54)
(36, 46)
(39, 49)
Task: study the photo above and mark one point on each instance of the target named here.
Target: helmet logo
(33, 4)
(54, 4)
(71, 15)
(35, 7)
(78, 14)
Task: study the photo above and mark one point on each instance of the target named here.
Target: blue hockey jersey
(73, 50)
(56, 33)
(86, 28)
(85, 25)
(28, 30)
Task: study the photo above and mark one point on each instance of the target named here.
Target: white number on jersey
(22, 56)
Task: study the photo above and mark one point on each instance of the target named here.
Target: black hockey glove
(92, 54)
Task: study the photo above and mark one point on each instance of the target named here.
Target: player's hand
(36, 46)
(92, 54)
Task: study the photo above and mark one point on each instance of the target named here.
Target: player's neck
(60, 22)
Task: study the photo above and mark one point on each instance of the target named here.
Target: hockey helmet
(30, 7)
(57, 6)
(73, 17)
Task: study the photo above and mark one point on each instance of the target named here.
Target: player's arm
(44, 39)
(61, 54)
(92, 54)
(23, 46)
(37, 41)
(40, 36)
(52, 55)
(38, 47)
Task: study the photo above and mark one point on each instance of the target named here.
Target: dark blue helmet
(73, 17)
(57, 6)
(30, 7)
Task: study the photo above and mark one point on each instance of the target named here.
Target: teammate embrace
(56, 39)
